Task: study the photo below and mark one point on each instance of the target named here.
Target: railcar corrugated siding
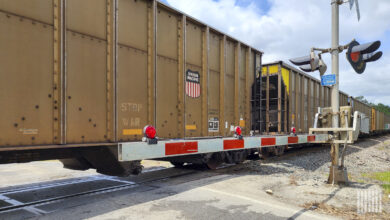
(113, 80)
(299, 98)
(304, 94)
(387, 122)
(363, 108)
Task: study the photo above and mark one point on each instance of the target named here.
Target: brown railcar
(81, 72)
(82, 76)
(290, 98)
(77, 78)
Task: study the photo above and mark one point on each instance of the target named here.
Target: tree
(362, 99)
(383, 108)
(380, 107)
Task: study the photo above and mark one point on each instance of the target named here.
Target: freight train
(104, 84)
(291, 98)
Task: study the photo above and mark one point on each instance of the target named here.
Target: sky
(285, 29)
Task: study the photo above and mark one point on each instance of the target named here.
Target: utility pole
(335, 103)
(357, 55)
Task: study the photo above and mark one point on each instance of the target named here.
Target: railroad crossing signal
(360, 54)
(310, 63)
(356, 2)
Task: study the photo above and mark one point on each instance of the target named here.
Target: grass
(383, 177)
(386, 188)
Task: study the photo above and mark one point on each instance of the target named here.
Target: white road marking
(263, 203)
(33, 210)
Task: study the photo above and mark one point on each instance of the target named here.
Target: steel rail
(89, 193)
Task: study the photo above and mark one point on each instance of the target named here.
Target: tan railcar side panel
(133, 15)
(167, 113)
(86, 93)
(250, 82)
(302, 104)
(316, 98)
(364, 108)
(87, 17)
(193, 106)
(167, 34)
(305, 96)
(26, 80)
(298, 102)
(311, 103)
(132, 67)
(291, 107)
(132, 94)
(305, 104)
(193, 44)
(377, 120)
(229, 87)
(40, 10)
(86, 71)
(90, 77)
(242, 89)
(343, 100)
(214, 52)
(387, 121)
(213, 83)
(168, 93)
(381, 121)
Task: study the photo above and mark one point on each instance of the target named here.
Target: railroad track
(117, 184)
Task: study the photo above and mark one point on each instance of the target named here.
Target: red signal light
(238, 131)
(355, 56)
(150, 132)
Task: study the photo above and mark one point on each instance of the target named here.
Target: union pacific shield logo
(192, 84)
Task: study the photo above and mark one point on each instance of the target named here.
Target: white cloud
(291, 27)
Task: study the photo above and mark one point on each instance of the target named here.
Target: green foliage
(383, 177)
(380, 107)
(364, 100)
(386, 188)
(383, 108)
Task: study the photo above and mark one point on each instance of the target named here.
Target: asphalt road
(198, 195)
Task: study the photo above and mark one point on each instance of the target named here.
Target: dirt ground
(301, 178)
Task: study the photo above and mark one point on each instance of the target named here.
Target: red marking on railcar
(311, 138)
(268, 141)
(292, 140)
(181, 148)
(233, 144)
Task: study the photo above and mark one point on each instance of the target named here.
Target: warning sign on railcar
(213, 125)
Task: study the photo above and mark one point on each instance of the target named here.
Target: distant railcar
(291, 98)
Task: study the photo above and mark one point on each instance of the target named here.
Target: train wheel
(255, 155)
(213, 164)
(279, 150)
(265, 152)
(214, 161)
(239, 156)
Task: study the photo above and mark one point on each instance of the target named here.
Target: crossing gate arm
(130, 151)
